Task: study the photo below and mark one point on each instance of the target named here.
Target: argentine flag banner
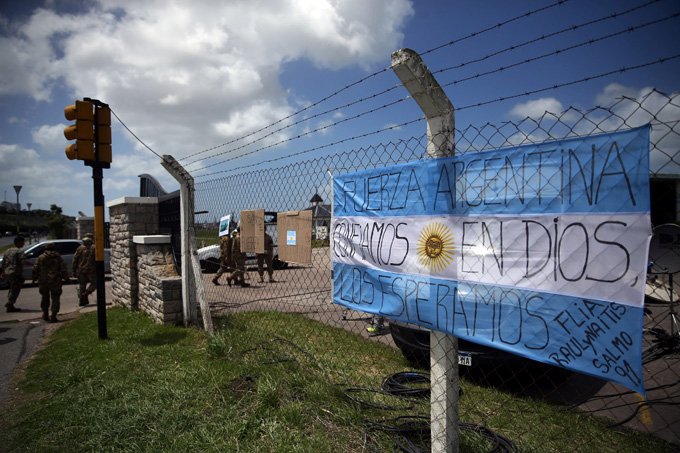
(539, 250)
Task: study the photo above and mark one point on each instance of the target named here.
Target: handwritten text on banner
(539, 250)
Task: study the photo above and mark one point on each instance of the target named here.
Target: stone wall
(160, 287)
(142, 267)
(129, 217)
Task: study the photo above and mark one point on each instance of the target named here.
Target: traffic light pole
(92, 133)
(97, 176)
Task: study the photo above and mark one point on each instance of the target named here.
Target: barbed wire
(573, 82)
(569, 29)
(309, 150)
(312, 117)
(374, 74)
(588, 42)
(313, 131)
(478, 104)
(494, 27)
(572, 28)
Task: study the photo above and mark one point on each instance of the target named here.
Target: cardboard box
(252, 231)
(294, 236)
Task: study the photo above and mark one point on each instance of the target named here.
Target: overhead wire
(133, 134)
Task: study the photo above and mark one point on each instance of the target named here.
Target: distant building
(321, 217)
(10, 206)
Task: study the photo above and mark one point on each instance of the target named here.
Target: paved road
(18, 341)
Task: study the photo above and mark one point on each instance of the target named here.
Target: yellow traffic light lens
(70, 112)
(71, 152)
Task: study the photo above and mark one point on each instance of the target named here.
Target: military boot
(53, 318)
(46, 317)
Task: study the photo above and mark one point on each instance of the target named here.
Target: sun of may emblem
(435, 247)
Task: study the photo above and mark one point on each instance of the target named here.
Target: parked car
(414, 344)
(65, 247)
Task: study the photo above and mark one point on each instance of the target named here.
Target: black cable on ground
(405, 384)
(413, 433)
(410, 431)
(500, 443)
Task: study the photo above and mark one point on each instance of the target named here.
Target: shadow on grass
(163, 338)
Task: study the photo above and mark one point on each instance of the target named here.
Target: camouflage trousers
(47, 293)
(87, 284)
(263, 258)
(225, 266)
(239, 268)
(15, 283)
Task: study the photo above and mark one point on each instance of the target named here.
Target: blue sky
(187, 76)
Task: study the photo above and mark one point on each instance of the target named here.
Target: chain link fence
(499, 391)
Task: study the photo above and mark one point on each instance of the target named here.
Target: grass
(262, 382)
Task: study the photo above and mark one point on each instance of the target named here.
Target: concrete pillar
(438, 110)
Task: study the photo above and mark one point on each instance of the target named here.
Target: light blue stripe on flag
(598, 338)
(602, 173)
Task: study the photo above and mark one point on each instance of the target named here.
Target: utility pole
(17, 189)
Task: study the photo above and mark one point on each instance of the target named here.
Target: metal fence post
(192, 280)
(438, 110)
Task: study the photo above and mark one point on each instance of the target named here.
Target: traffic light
(82, 131)
(103, 133)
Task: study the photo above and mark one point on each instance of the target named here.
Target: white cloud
(45, 179)
(619, 107)
(536, 108)
(49, 136)
(192, 77)
(183, 76)
(613, 92)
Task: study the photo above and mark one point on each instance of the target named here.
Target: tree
(57, 223)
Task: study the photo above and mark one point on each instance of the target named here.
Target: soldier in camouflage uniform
(226, 261)
(50, 270)
(239, 260)
(85, 270)
(12, 270)
(268, 258)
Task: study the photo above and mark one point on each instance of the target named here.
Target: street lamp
(17, 189)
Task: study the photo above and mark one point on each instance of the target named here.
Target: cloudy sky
(189, 76)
